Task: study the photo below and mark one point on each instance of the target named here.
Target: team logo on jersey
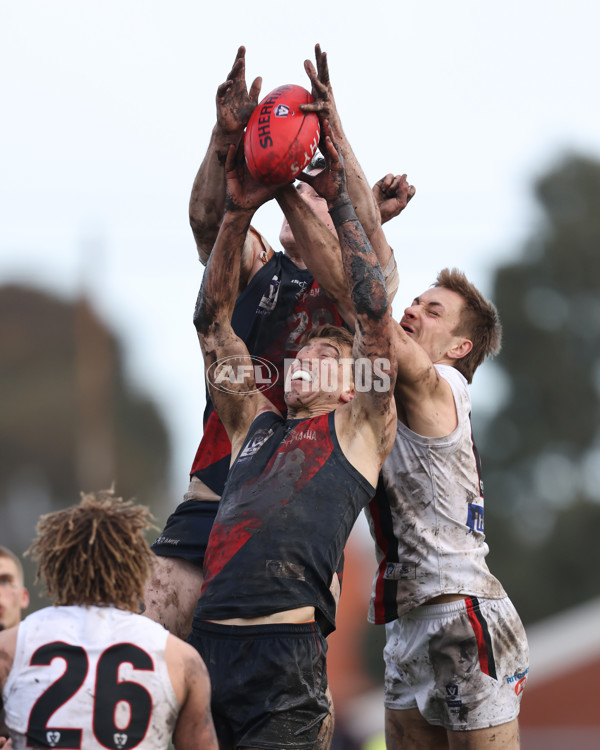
(269, 299)
(242, 375)
(53, 737)
(120, 739)
(259, 438)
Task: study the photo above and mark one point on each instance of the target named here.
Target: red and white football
(280, 139)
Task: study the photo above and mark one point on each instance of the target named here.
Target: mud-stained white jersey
(427, 517)
(90, 678)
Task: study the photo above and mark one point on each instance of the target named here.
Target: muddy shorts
(187, 530)
(463, 665)
(268, 682)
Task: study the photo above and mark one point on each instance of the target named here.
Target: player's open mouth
(302, 375)
(406, 328)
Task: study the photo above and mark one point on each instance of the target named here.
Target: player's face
(13, 595)
(431, 320)
(322, 371)
(318, 206)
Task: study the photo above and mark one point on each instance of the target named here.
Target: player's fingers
(255, 89)
(230, 160)
(324, 69)
(317, 106)
(310, 69)
(304, 177)
(238, 64)
(223, 88)
(386, 182)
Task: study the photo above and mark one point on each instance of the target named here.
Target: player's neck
(312, 410)
(294, 255)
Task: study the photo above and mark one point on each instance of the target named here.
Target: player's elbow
(204, 314)
(205, 237)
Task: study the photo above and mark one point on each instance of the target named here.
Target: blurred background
(490, 110)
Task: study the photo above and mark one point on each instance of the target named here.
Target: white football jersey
(427, 518)
(90, 678)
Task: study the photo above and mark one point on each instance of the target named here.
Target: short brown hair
(479, 321)
(328, 331)
(94, 553)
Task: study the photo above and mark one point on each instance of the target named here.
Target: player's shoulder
(451, 374)
(8, 641)
(456, 380)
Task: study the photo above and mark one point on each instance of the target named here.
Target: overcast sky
(107, 108)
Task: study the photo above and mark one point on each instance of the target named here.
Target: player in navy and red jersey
(90, 672)
(279, 300)
(280, 303)
(296, 485)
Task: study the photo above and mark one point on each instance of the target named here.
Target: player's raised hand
(392, 194)
(243, 192)
(322, 91)
(329, 183)
(235, 103)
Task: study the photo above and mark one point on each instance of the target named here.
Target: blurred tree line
(69, 421)
(541, 450)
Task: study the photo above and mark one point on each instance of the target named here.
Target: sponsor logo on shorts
(518, 679)
(453, 700)
(475, 517)
(400, 571)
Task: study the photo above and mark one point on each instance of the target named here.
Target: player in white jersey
(456, 652)
(90, 672)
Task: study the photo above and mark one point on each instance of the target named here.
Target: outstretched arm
(235, 104)
(371, 418)
(227, 362)
(359, 190)
(319, 249)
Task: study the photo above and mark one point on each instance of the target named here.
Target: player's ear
(24, 599)
(348, 393)
(460, 350)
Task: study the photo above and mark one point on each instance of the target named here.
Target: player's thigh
(505, 736)
(408, 730)
(172, 592)
(326, 732)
